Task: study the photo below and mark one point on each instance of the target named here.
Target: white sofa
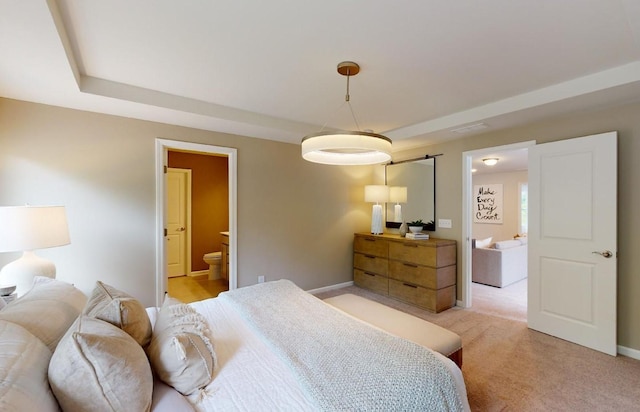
(500, 264)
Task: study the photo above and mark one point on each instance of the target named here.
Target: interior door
(572, 240)
(177, 180)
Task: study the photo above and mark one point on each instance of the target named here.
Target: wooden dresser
(420, 272)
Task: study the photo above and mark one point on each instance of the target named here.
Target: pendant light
(347, 147)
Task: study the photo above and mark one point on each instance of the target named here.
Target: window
(523, 217)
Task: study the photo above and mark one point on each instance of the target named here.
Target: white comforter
(249, 376)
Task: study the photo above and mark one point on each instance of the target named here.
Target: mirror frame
(429, 226)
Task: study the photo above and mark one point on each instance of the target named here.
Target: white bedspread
(250, 377)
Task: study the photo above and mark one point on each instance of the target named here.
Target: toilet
(213, 260)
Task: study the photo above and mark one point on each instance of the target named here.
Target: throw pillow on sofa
(119, 309)
(181, 351)
(99, 367)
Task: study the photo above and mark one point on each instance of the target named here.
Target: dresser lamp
(376, 194)
(25, 229)
(397, 195)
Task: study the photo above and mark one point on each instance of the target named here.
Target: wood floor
(193, 288)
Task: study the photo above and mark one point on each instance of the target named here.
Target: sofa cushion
(119, 309)
(24, 360)
(506, 244)
(181, 352)
(99, 367)
(46, 310)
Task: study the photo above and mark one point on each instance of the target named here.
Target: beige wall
(295, 219)
(625, 120)
(510, 205)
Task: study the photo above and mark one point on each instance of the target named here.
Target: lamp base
(22, 271)
(376, 220)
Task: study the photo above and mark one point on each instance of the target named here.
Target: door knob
(606, 253)
(180, 229)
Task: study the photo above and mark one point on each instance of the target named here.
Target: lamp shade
(346, 148)
(398, 194)
(24, 228)
(376, 193)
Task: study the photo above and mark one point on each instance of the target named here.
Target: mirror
(419, 177)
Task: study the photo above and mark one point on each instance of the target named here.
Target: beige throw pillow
(99, 367)
(181, 350)
(46, 310)
(119, 309)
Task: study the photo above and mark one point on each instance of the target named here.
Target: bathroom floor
(193, 288)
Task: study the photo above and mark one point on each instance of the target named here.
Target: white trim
(331, 287)
(162, 147)
(199, 273)
(467, 180)
(632, 353)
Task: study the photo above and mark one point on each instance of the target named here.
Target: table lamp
(25, 229)
(376, 194)
(397, 195)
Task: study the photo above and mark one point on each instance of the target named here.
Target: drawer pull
(369, 257)
(369, 274)
(411, 286)
(410, 265)
(409, 245)
(368, 239)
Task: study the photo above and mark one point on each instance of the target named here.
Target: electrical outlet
(260, 279)
(444, 223)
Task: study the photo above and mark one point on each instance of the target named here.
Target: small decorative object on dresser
(404, 228)
(419, 272)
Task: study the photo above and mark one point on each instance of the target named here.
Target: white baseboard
(632, 353)
(199, 273)
(332, 287)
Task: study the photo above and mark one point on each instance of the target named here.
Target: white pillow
(181, 350)
(506, 244)
(99, 367)
(483, 243)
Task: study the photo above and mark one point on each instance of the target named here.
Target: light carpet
(508, 367)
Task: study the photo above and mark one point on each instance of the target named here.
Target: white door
(177, 183)
(572, 240)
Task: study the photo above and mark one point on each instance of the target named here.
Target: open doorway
(163, 148)
(492, 222)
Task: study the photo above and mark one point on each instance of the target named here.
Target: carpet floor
(508, 367)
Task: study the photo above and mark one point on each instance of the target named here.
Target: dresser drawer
(426, 276)
(377, 283)
(422, 254)
(370, 245)
(430, 299)
(370, 263)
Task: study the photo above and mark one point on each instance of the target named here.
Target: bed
(269, 347)
(253, 373)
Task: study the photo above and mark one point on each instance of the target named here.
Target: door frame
(162, 148)
(467, 221)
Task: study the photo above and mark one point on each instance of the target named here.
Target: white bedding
(249, 375)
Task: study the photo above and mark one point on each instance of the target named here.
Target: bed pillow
(181, 350)
(99, 367)
(119, 309)
(46, 310)
(24, 361)
(483, 243)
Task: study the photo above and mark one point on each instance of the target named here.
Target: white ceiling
(267, 69)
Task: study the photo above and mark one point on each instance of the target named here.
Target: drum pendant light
(347, 147)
